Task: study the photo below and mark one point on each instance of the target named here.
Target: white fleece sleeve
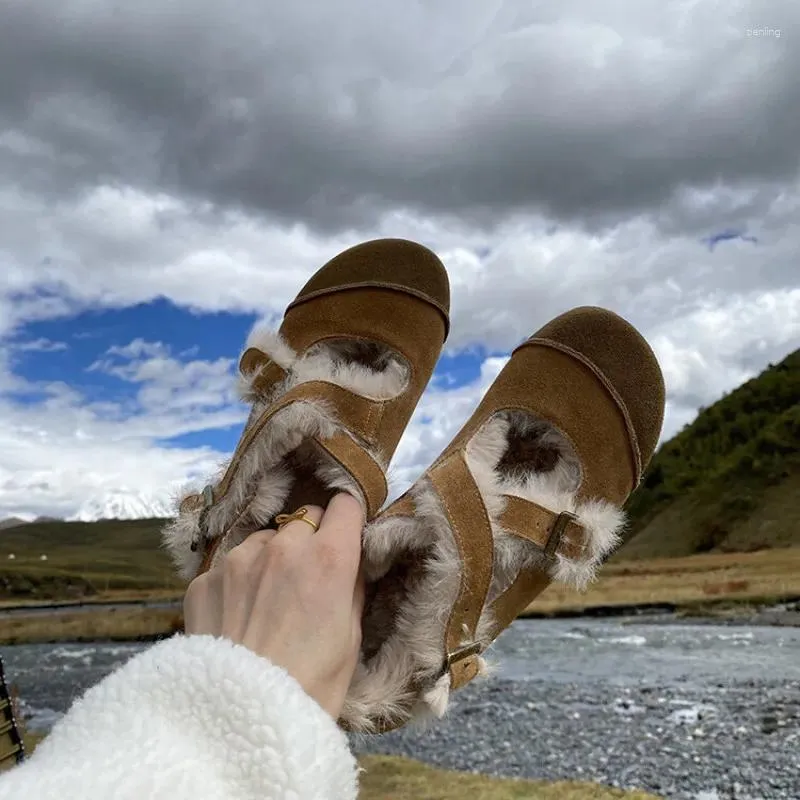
(192, 717)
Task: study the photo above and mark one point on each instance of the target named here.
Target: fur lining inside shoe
(284, 464)
(273, 344)
(415, 569)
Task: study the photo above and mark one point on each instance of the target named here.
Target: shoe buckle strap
(465, 511)
(465, 651)
(554, 533)
(551, 546)
(557, 531)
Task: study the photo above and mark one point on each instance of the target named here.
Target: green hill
(84, 558)
(730, 481)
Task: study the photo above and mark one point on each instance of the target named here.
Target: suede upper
(397, 264)
(401, 321)
(591, 375)
(623, 357)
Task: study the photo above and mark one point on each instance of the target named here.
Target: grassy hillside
(83, 559)
(730, 481)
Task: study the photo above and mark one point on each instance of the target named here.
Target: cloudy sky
(172, 172)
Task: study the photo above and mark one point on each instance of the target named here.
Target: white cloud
(66, 450)
(651, 127)
(171, 387)
(52, 464)
(41, 345)
(138, 348)
(714, 319)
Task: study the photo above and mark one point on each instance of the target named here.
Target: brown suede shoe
(529, 492)
(331, 393)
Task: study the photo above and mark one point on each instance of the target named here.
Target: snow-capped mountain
(122, 504)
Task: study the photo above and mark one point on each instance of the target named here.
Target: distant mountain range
(122, 504)
(119, 504)
(15, 522)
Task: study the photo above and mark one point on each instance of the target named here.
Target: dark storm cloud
(333, 115)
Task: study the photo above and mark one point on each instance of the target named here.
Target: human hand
(294, 597)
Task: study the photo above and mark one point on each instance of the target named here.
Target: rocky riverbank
(729, 741)
(684, 711)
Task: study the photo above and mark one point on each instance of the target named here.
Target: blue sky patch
(727, 236)
(64, 349)
(96, 353)
(221, 439)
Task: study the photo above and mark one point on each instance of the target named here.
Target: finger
(343, 523)
(341, 531)
(255, 541)
(359, 596)
(202, 613)
(298, 527)
(239, 577)
(252, 546)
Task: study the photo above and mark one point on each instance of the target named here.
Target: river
(686, 711)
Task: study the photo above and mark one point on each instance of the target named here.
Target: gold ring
(299, 516)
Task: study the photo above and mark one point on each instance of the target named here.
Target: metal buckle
(471, 649)
(208, 504)
(557, 533)
(207, 497)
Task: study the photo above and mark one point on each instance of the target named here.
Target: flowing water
(621, 652)
(687, 711)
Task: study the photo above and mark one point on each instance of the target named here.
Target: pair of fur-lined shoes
(530, 491)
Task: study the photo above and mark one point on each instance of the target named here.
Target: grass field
(694, 581)
(124, 561)
(393, 778)
(122, 624)
(703, 584)
(84, 559)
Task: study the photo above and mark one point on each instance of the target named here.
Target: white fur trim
(272, 344)
(332, 363)
(177, 538)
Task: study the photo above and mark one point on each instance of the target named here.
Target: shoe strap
(556, 534)
(537, 524)
(366, 472)
(462, 504)
(469, 521)
(359, 415)
(269, 371)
